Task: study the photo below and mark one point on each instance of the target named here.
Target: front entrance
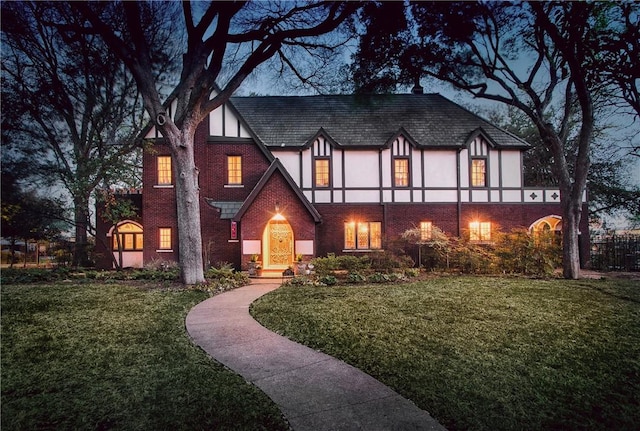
(277, 243)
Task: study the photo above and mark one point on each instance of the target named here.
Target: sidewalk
(314, 391)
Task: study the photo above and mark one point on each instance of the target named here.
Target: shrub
(223, 277)
(354, 277)
(326, 265)
(387, 262)
(328, 280)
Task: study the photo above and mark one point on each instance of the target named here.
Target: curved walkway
(314, 391)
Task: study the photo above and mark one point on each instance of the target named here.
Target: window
(363, 236)
(478, 172)
(322, 172)
(234, 169)
(401, 172)
(164, 169)
(130, 237)
(165, 238)
(426, 231)
(480, 231)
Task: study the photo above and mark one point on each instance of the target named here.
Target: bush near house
(516, 253)
(219, 278)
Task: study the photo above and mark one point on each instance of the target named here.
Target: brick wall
(277, 193)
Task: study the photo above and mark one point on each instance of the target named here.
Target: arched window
(129, 237)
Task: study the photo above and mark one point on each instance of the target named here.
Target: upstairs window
(165, 238)
(322, 172)
(164, 170)
(401, 172)
(426, 231)
(478, 172)
(480, 231)
(234, 170)
(363, 236)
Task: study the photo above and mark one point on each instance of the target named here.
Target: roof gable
(276, 166)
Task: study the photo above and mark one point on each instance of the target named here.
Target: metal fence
(616, 253)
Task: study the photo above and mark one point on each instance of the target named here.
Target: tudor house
(311, 175)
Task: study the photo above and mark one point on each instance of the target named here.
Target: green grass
(112, 356)
(483, 353)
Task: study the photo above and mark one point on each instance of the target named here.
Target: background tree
(27, 216)
(234, 37)
(74, 112)
(537, 57)
(612, 191)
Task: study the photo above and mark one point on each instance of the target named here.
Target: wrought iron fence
(616, 253)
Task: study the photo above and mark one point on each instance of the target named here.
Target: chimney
(417, 88)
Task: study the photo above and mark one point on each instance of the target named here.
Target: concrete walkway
(314, 391)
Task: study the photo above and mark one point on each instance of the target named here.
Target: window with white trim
(164, 234)
(164, 170)
(234, 170)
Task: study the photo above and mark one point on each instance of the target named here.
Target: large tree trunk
(81, 221)
(188, 206)
(571, 214)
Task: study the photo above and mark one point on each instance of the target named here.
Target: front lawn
(483, 353)
(95, 356)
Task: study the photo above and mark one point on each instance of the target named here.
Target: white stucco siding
(307, 169)
(336, 168)
(416, 169)
(291, 162)
(362, 170)
(362, 196)
(215, 122)
(440, 168)
(494, 168)
(511, 169)
(322, 196)
(464, 168)
(440, 196)
(402, 195)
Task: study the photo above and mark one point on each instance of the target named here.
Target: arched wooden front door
(277, 244)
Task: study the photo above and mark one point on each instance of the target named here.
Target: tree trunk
(81, 221)
(188, 207)
(571, 214)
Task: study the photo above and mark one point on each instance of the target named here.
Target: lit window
(130, 236)
(234, 169)
(480, 231)
(164, 169)
(322, 172)
(426, 231)
(401, 172)
(165, 238)
(363, 236)
(478, 173)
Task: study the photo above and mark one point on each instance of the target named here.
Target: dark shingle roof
(227, 210)
(430, 120)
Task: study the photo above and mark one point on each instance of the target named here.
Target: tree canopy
(74, 111)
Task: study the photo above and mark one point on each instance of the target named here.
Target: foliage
(327, 265)
(71, 118)
(482, 353)
(116, 356)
